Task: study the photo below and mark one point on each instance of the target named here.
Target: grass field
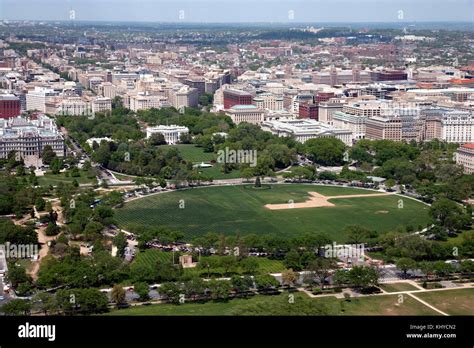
(192, 153)
(55, 179)
(395, 287)
(278, 305)
(453, 302)
(196, 154)
(377, 305)
(231, 209)
(152, 256)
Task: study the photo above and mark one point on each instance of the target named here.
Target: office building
(236, 97)
(304, 129)
(465, 157)
(10, 106)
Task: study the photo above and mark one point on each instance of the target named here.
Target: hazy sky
(241, 10)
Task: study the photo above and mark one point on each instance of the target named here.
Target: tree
(118, 294)
(16, 274)
(426, 268)
(120, 241)
(143, 272)
(356, 234)
(258, 182)
(293, 260)
(266, 282)
(229, 263)
(143, 290)
(172, 292)
(320, 269)
(52, 229)
(289, 277)
(341, 277)
(247, 174)
(449, 214)
(325, 151)
(389, 183)
(40, 204)
(405, 264)
(157, 139)
(16, 307)
(363, 277)
(56, 165)
(467, 267)
(443, 269)
(241, 284)
(208, 264)
(249, 265)
(92, 230)
(48, 154)
(194, 288)
(45, 302)
(220, 289)
(89, 300)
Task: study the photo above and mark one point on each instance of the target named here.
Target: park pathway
(427, 304)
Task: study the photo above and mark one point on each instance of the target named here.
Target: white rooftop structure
(305, 129)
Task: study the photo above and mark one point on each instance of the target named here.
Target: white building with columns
(172, 134)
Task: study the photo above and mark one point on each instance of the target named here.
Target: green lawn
(124, 177)
(196, 154)
(377, 305)
(453, 302)
(55, 179)
(395, 287)
(152, 256)
(192, 153)
(217, 174)
(208, 308)
(279, 305)
(231, 209)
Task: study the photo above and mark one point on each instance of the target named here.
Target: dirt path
(43, 239)
(317, 200)
(44, 250)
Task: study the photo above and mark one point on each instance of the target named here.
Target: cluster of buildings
(306, 92)
(402, 115)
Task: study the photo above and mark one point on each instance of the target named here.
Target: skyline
(243, 11)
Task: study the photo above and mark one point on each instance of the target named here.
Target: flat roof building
(10, 106)
(246, 113)
(236, 97)
(305, 129)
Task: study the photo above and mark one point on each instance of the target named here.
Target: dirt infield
(317, 200)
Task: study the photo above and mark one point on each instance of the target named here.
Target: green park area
(241, 208)
(197, 155)
(151, 257)
(281, 305)
(55, 179)
(452, 302)
(396, 287)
